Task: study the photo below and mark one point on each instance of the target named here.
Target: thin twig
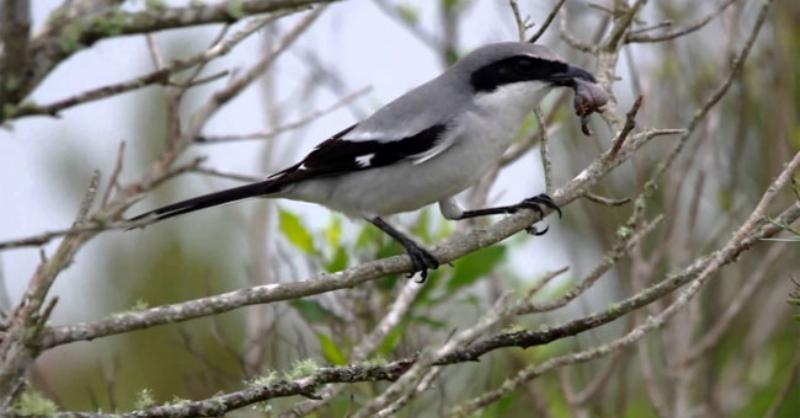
(638, 37)
(709, 267)
(786, 389)
(608, 201)
(365, 347)
(630, 123)
(113, 181)
(550, 17)
(715, 332)
(620, 249)
(544, 150)
(420, 33)
(571, 39)
(303, 121)
(521, 22)
(159, 76)
(591, 389)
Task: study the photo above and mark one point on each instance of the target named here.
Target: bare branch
(639, 37)
(622, 25)
(522, 23)
(365, 347)
(113, 180)
(400, 17)
(550, 17)
(630, 123)
(160, 76)
(544, 151)
(49, 49)
(305, 386)
(571, 39)
(15, 25)
(303, 121)
(716, 96)
(714, 263)
(740, 243)
(595, 386)
(786, 389)
(607, 200)
(712, 337)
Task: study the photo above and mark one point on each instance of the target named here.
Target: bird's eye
(523, 65)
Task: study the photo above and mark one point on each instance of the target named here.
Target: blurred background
(357, 57)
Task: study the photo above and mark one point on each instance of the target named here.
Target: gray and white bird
(424, 147)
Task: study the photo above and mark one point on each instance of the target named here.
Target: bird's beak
(568, 77)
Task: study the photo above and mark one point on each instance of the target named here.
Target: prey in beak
(589, 96)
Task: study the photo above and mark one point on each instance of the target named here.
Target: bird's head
(520, 73)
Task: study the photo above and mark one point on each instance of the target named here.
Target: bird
(424, 147)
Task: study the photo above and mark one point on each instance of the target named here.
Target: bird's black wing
(339, 155)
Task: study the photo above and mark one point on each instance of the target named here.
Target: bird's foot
(422, 260)
(536, 203)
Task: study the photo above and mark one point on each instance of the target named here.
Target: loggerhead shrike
(424, 147)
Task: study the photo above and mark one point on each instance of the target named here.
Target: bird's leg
(534, 203)
(420, 257)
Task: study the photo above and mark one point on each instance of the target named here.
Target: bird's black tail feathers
(213, 199)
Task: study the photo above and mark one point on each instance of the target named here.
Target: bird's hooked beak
(570, 77)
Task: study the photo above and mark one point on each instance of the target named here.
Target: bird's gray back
(439, 100)
(429, 104)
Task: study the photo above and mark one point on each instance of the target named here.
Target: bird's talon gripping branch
(422, 260)
(540, 200)
(535, 203)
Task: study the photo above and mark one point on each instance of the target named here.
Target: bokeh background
(384, 46)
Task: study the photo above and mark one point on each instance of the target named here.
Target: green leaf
(339, 260)
(450, 4)
(393, 338)
(313, 312)
(369, 235)
(388, 283)
(503, 406)
(293, 229)
(423, 226)
(476, 265)
(432, 323)
(333, 233)
(408, 13)
(332, 353)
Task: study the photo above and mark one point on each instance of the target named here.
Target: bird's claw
(535, 203)
(533, 231)
(422, 260)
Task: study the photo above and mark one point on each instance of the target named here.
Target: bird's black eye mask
(526, 68)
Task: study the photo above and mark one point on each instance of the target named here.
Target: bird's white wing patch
(365, 160)
(379, 136)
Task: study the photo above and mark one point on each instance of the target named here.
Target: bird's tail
(212, 199)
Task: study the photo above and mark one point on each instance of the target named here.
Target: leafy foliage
(33, 404)
(296, 232)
